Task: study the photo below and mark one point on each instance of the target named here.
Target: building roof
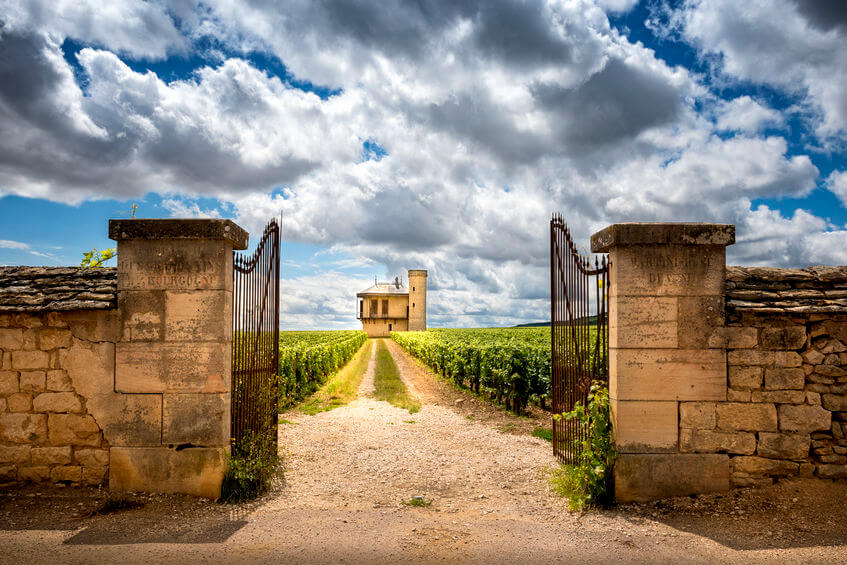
(41, 289)
(385, 288)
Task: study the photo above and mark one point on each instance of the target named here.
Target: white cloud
(837, 184)
(492, 114)
(775, 43)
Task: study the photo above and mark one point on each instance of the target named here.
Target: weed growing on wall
(251, 470)
(589, 482)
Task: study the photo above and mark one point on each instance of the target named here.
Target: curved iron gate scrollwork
(579, 354)
(255, 341)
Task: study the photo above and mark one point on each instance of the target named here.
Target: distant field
(306, 359)
(510, 364)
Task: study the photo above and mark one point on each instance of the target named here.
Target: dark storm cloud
(513, 31)
(476, 118)
(399, 218)
(616, 104)
(824, 14)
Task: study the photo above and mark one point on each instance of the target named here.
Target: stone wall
(122, 375)
(786, 407)
(47, 431)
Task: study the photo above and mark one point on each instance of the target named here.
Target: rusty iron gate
(579, 331)
(255, 341)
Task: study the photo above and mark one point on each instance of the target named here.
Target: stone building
(389, 307)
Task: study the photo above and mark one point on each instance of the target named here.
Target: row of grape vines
(511, 365)
(307, 358)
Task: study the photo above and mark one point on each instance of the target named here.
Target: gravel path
(349, 472)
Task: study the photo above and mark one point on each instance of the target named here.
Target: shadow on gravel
(102, 519)
(790, 514)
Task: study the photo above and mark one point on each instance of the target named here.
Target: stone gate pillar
(174, 355)
(666, 298)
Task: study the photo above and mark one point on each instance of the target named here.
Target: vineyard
(511, 365)
(307, 358)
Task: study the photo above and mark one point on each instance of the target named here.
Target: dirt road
(350, 473)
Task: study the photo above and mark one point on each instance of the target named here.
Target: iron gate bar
(576, 359)
(255, 351)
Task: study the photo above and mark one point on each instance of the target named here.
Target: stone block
(142, 315)
(762, 466)
(734, 337)
(90, 367)
(3, 405)
(29, 340)
(95, 325)
(642, 322)
(832, 371)
(813, 357)
(20, 402)
(711, 441)
(832, 471)
(66, 474)
(835, 402)
(9, 383)
(73, 429)
(53, 338)
(56, 320)
(781, 378)
(172, 367)
(26, 321)
(94, 475)
(51, 455)
(813, 398)
(803, 418)
(697, 415)
(744, 378)
(199, 316)
(643, 477)
(733, 395)
(783, 446)
(668, 270)
(11, 338)
(779, 396)
(699, 317)
(57, 402)
(34, 474)
(194, 471)
(204, 420)
(734, 416)
(133, 420)
(92, 457)
(787, 359)
(58, 381)
(748, 357)
(33, 381)
(8, 473)
(17, 454)
(833, 346)
(23, 428)
(667, 374)
(174, 265)
(24, 360)
(784, 338)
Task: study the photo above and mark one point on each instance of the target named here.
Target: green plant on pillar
(95, 258)
(588, 483)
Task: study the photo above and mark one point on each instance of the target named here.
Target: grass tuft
(342, 387)
(388, 384)
(417, 501)
(543, 433)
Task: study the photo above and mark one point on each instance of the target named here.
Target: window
(389, 327)
(413, 289)
(413, 304)
(373, 311)
(407, 311)
(385, 307)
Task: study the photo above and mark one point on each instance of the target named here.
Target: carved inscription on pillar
(170, 265)
(676, 270)
(184, 274)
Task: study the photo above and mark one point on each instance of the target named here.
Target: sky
(435, 134)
